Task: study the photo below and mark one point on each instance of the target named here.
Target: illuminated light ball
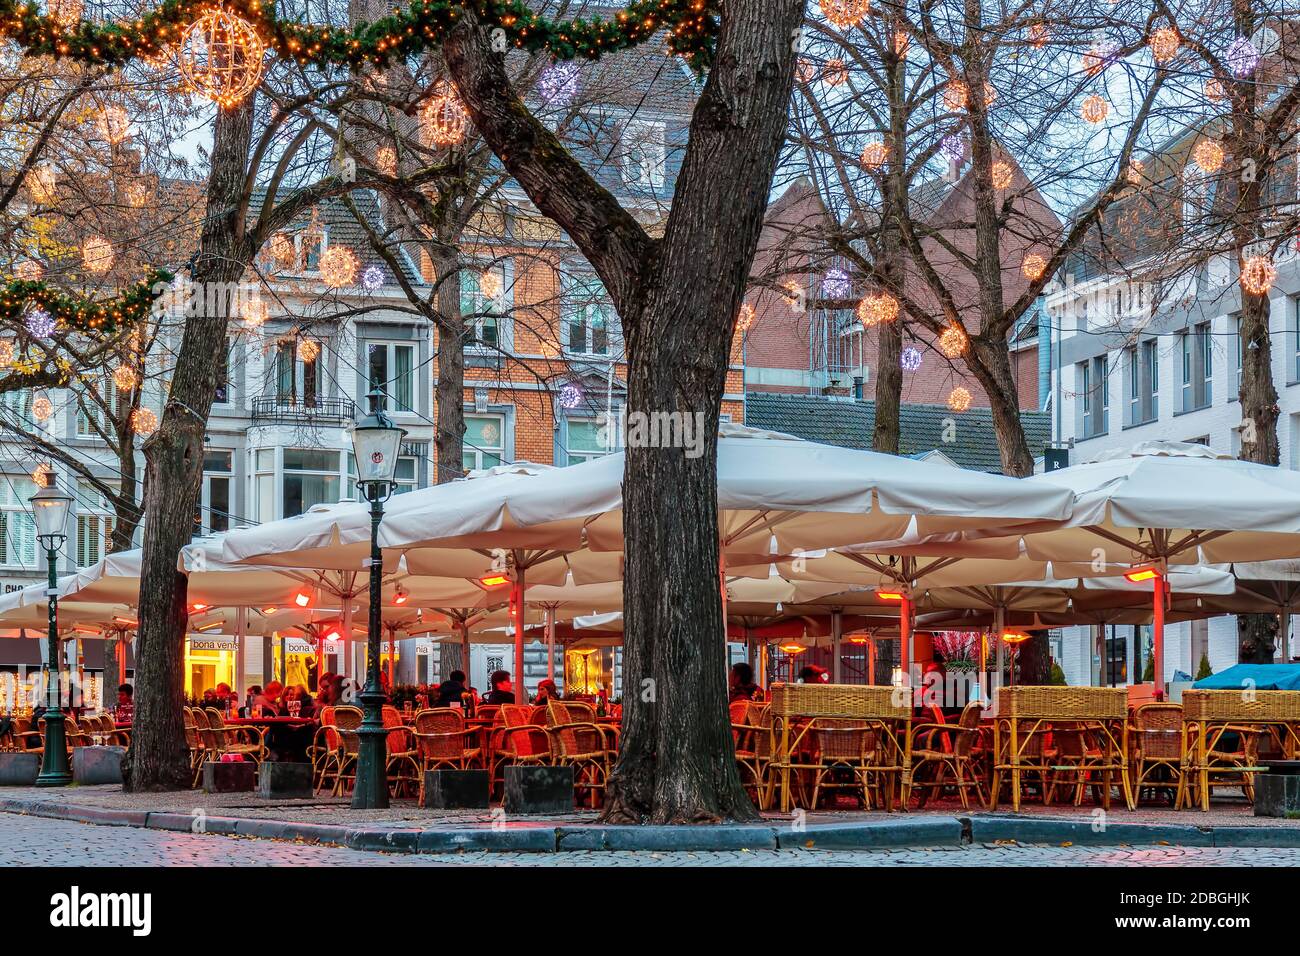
(66, 13)
(1164, 44)
(41, 475)
(222, 57)
(1094, 110)
(255, 311)
(1208, 155)
(1099, 57)
(956, 95)
(959, 399)
(42, 184)
(558, 84)
(308, 351)
(386, 160)
(443, 120)
(1214, 91)
(1033, 267)
(1257, 275)
(1243, 58)
(282, 250)
(877, 309)
(97, 255)
(115, 124)
(953, 341)
(124, 378)
(845, 14)
(1038, 35)
(489, 283)
(6, 353)
(372, 279)
(874, 155)
(571, 396)
(42, 409)
(910, 359)
(40, 324)
(953, 147)
(1002, 174)
(1133, 175)
(29, 270)
(339, 267)
(745, 318)
(836, 284)
(835, 72)
(144, 422)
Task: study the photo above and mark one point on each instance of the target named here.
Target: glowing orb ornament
(339, 267)
(836, 284)
(1243, 58)
(443, 120)
(41, 475)
(745, 318)
(39, 323)
(956, 95)
(1002, 174)
(283, 253)
(1208, 155)
(805, 70)
(144, 422)
(97, 255)
(571, 396)
(953, 341)
(1257, 275)
(1164, 44)
(1033, 267)
(124, 378)
(386, 160)
(372, 279)
(42, 409)
(877, 309)
(953, 147)
(42, 183)
(1094, 110)
(1038, 35)
(6, 353)
(910, 359)
(29, 270)
(1214, 91)
(1099, 56)
(489, 283)
(66, 13)
(308, 351)
(254, 311)
(874, 155)
(558, 84)
(959, 399)
(222, 57)
(835, 73)
(845, 14)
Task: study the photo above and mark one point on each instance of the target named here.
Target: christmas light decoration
(953, 147)
(1099, 56)
(959, 399)
(1208, 155)
(42, 409)
(835, 72)
(845, 14)
(1033, 267)
(805, 70)
(1257, 275)
(372, 279)
(1094, 110)
(40, 324)
(1164, 44)
(1002, 174)
(114, 124)
(877, 308)
(137, 193)
(1243, 58)
(1133, 175)
(558, 84)
(97, 255)
(29, 270)
(910, 359)
(1214, 91)
(221, 55)
(1038, 35)
(745, 319)
(952, 342)
(874, 155)
(956, 95)
(386, 160)
(254, 311)
(42, 184)
(836, 284)
(489, 283)
(6, 353)
(124, 378)
(571, 396)
(41, 474)
(308, 351)
(443, 120)
(144, 422)
(283, 253)
(339, 267)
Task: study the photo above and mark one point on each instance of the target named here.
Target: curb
(1030, 830)
(888, 834)
(663, 839)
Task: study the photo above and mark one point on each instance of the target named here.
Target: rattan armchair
(1158, 741)
(1232, 758)
(842, 746)
(402, 767)
(440, 742)
(517, 739)
(942, 750)
(196, 744)
(579, 742)
(244, 740)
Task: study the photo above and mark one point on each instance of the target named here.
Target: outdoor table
(1103, 710)
(286, 736)
(1206, 713)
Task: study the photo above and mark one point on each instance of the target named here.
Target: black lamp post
(50, 508)
(376, 442)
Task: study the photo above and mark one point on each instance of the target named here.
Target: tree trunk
(174, 473)
(889, 266)
(990, 363)
(449, 430)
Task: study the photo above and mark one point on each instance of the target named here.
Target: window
(94, 524)
(91, 415)
(1236, 335)
(391, 366)
(19, 402)
(17, 528)
(641, 154)
(1094, 400)
(1195, 346)
(586, 440)
(1143, 383)
(484, 442)
(213, 514)
(311, 477)
(1198, 194)
(590, 320)
(406, 475)
(225, 388)
(484, 314)
(264, 484)
(295, 252)
(297, 381)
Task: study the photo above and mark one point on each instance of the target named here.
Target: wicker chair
(940, 750)
(842, 745)
(236, 740)
(1035, 754)
(402, 768)
(347, 720)
(323, 749)
(440, 742)
(517, 739)
(1159, 751)
(1235, 766)
(579, 742)
(24, 737)
(751, 727)
(194, 740)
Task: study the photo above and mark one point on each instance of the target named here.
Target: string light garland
(845, 14)
(1208, 155)
(1257, 274)
(745, 318)
(952, 342)
(953, 147)
(1099, 56)
(41, 473)
(956, 95)
(42, 184)
(558, 84)
(874, 155)
(372, 279)
(339, 267)
(66, 13)
(20, 296)
(1164, 44)
(877, 309)
(144, 422)
(222, 57)
(489, 283)
(1094, 110)
(443, 120)
(959, 399)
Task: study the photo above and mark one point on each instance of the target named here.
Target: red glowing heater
(1014, 639)
(1138, 575)
(333, 636)
(889, 595)
(904, 622)
(200, 607)
(793, 648)
(400, 598)
(1159, 588)
(302, 599)
(494, 580)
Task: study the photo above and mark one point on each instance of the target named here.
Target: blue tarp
(1259, 676)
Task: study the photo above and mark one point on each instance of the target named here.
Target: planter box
(18, 769)
(1277, 795)
(224, 777)
(283, 781)
(95, 765)
(455, 790)
(532, 790)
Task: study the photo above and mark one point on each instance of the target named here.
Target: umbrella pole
(345, 664)
(1159, 591)
(550, 643)
(837, 629)
(905, 636)
(1284, 633)
(722, 588)
(517, 617)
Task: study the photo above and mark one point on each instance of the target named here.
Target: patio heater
(1160, 597)
(50, 508)
(376, 441)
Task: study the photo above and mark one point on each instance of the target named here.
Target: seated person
(502, 691)
(450, 691)
(742, 686)
(546, 690)
(125, 708)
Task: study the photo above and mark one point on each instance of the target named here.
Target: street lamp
(50, 508)
(375, 444)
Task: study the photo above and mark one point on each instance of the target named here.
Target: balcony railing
(299, 410)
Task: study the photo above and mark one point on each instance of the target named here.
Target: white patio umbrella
(1168, 503)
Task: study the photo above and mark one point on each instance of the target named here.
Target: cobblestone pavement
(37, 841)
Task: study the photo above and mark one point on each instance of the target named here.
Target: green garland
(79, 313)
(692, 26)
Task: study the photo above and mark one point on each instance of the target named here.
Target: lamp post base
(371, 789)
(55, 771)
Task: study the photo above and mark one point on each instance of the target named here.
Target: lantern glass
(376, 442)
(50, 508)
